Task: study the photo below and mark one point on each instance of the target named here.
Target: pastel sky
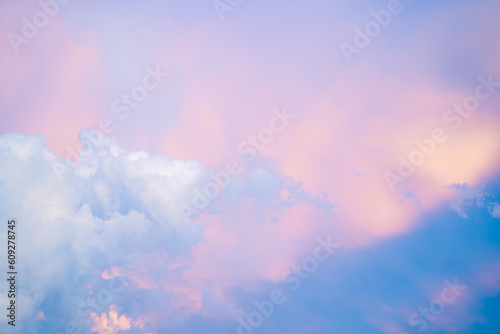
(244, 167)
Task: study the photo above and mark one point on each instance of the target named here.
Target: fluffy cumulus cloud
(105, 243)
(73, 230)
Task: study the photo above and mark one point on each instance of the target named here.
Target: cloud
(113, 323)
(115, 211)
(117, 215)
(471, 198)
(495, 210)
(468, 198)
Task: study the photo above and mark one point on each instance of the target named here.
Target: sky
(235, 166)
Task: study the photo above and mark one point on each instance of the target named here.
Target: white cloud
(111, 211)
(118, 208)
(495, 210)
